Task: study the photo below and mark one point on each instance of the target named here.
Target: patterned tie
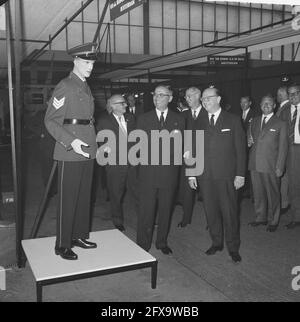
(161, 120)
(121, 125)
(293, 123)
(264, 123)
(194, 115)
(212, 121)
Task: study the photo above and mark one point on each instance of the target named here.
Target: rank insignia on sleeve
(58, 103)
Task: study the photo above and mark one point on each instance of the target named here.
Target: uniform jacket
(224, 148)
(71, 99)
(160, 176)
(270, 147)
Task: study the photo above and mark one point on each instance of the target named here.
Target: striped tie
(194, 115)
(121, 125)
(292, 128)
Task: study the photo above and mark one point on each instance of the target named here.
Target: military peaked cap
(87, 51)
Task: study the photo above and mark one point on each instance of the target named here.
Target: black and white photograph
(149, 154)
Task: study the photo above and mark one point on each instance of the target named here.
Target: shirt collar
(158, 113)
(216, 114)
(267, 116)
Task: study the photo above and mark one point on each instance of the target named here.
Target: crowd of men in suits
(257, 152)
(268, 145)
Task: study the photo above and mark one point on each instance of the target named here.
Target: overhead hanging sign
(226, 61)
(119, 7)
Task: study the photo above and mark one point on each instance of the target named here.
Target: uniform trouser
(148, 198)
(74, 191)
(120, 178)
(220, 204)
(293, 169)
(266, 193)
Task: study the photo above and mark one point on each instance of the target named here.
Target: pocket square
(272, 130)
(225, 130)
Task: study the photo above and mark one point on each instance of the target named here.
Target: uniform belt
(79, 121)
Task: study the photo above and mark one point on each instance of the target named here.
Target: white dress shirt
(197, 110)
(216, 115)
(267, 118)
(296, 130)
(158, 113)
(122, 123)
(245, 113)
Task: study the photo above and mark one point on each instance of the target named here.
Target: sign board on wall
(226, 61)
(119, 7)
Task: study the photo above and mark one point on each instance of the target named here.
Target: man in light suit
(223, 175)
(284, 103)
(119, 177)
(269, 144)
(158, 183)
(291, 115)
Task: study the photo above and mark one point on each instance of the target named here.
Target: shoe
(257, 223)
(235, 256)
(65, 253)
(272, 228)
(213, 249)
(120, 227)
(283, 211)
(83, 243)
(182, 224)
(165, 250)
(292, 224)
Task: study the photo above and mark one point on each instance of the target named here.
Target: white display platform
(115, 253)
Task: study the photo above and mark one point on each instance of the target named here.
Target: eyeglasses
(160, 95)
(207, 98)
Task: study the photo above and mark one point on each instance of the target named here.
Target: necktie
(194, 115)
(293, 123)
(244, 115)
(264, 123)
(161, 120)
(121, 125)
(131, 111)
(212, 120)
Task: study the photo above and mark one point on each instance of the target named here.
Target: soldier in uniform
(69, 119)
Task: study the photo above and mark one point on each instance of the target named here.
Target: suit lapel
(114, 122)
(268, 125)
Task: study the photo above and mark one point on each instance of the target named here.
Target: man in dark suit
(158, 181)
(291, 115)
(223, 175)
(195, 117)
(69, 119)
(133, 108)
(119, 176)
(283, 104)
(269, 144)
(248, 114)
(247, 111)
